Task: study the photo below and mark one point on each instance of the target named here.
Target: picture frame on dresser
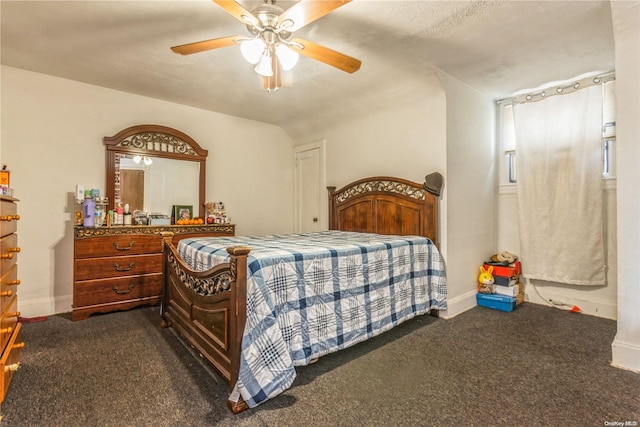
(182, 212)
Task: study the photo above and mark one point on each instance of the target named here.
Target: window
(608, 135)
(511, 166)
(509, 142)
(608, 129)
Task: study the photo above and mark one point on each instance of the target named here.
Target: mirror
(154, 184)
(153, 167)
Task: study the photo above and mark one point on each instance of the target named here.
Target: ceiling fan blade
(305, 12)
(239, 12)
(326, 55)
(188, 49)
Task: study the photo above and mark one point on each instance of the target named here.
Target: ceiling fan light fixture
(252, 50)
(264, 67)
(288, 58)
(269, 48)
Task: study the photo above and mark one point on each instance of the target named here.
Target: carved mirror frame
(153, 141)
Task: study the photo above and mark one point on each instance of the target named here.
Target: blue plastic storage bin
(498, 302)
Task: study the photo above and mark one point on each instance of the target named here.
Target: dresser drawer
(9, 321)
(10, 360)
(104, 291)
(8, 217)
(8, 251)
(103, 268)
(118, 245)
(8, 286)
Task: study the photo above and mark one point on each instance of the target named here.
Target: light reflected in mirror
(157, 186)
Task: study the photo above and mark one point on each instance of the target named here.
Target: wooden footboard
(212, 324)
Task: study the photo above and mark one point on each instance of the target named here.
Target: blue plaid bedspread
(312, 294)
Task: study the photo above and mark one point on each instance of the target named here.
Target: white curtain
(559, 183)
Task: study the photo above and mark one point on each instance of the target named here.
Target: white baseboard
(44, 306)
(467, 301)
(458, 305)
(597, 308)
(625, 355)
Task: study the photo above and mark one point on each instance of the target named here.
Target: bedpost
(238, 263)
(332, 208)
(167, 239)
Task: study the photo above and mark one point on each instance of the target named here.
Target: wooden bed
(214, 324)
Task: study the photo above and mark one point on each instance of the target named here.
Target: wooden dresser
(118, 268)
(10, 338)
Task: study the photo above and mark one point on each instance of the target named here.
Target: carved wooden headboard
(384, 205)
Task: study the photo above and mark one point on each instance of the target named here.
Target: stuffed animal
(485, 280)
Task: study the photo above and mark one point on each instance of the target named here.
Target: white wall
(406, 139)
(626, 31)
(52, 132)
(470, 184)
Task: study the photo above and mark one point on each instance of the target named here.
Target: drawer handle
(6, 293)
(123, 249)
(14, 314)
(119, 292)
(13, 282)
(6, 256)
(18, 345)
(13, 367)
(9, 217)
(118, 268)
(16, 249)
(6, 330)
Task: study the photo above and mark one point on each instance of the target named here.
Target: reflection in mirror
(155, 184)
(174, 173)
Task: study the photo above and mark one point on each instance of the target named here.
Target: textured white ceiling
(498, 47)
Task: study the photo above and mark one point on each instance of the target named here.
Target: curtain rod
(559, 88)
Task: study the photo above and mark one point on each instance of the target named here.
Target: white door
(310, 203)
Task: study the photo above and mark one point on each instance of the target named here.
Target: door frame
(319, 144)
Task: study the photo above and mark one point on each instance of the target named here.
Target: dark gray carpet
(536, 366)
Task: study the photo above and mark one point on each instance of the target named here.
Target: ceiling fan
(270, 47)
